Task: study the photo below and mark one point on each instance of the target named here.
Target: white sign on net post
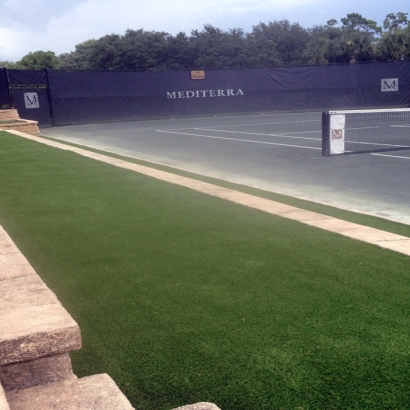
(337, 134)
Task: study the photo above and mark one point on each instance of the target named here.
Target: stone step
(26, 126)
(3, 400)
(8, 115)
(36, 332)
(98, 392)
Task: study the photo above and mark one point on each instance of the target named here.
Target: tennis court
(278, 152)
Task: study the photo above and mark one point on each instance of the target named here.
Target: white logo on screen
(390, 84)
(31, 100)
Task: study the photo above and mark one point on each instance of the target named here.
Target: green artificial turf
(182, 297)
(360, 218)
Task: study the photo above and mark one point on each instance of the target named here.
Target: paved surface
(276, 152)
(377, 237)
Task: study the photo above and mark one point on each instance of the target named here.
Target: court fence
(60, 97)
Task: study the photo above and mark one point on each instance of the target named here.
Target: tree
(323, 40)
(215, 48)
(317, 50)
(395, 42)
(355, 41)
(283, 43)
(145, 50)
(352, 39)
(395, 21)
(8, 64)
(80, 58)
(136, 49)
(355, 21)
(38, 60)
(395, 46)
(181, 55)
(358, 47)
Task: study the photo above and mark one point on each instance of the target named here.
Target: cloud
(58, 26)
(22, 13)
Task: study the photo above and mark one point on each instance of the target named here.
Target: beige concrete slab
(374, 236)
(97, 392)
(25, 291)
(304, 216)
(30, 332)
(199, 406)
(13, 265)
(371, 235)
(402, 246)
(272, 207)
(4, 405)
(332, 224)
(9, 114)
(354, 231)
(35, 372)
(6, 244)
(32, 321)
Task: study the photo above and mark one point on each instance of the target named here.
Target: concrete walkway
(374, 236)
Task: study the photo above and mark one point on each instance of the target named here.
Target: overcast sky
(58, 25)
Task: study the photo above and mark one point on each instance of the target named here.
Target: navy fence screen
(86, 96)
(33, 104)
(19, 78)
(30, 95)
(78, 97)
(5, 102)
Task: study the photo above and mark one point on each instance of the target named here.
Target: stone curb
(3, 400)
(33, 323)
(91, 392)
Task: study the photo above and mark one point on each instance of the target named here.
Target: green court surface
(182, 297)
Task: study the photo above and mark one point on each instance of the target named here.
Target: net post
(325, 134)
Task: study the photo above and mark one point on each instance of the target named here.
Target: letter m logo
(390, 84)
(31, 100)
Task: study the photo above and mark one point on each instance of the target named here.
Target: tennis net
(360, 131)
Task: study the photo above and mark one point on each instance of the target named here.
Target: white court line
(361, 128)
(266, 135)
(237, 139)
(264, 123)
(391, 156)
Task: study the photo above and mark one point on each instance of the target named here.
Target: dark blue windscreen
(77, 97)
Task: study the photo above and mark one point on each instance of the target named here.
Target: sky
(59, 25)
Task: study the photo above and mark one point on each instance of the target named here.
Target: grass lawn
(363, 219)
(182, 297)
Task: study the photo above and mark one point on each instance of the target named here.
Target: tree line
(353, 39)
